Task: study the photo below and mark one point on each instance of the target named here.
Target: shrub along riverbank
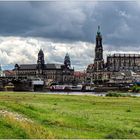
(31, 115)
(117, 94)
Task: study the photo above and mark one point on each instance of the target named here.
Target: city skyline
(61, 27)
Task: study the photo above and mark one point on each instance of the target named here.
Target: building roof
(53, 66)
(34, 66)
(79, 74)
(40, 52)
(90, 66)
(123, 55)
(9, 72)
(28, 66)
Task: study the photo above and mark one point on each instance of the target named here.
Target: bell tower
(40, 62)
(67, 62)
(98, 61)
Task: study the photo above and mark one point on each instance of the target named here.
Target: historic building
(89, 73)
(50, 72)
(98, 61)
(118, 62)
(115, 64)
(79, 77)
(98, 68)
(97, 71)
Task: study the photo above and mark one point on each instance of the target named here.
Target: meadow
(38, 116)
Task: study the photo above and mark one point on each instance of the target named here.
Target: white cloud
(24, 51)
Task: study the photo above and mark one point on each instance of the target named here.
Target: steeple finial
(98, 31)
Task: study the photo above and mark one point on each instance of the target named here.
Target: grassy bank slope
(31, 115)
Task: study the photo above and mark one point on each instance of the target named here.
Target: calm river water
(85, 93)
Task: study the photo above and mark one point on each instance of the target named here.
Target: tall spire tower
(67, 62)
(40, 62)
(98, 61)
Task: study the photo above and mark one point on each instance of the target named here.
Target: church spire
(98, 31)
(41, 57)
(67, 61)
(99, 62)
(40, 61)
(98, 38)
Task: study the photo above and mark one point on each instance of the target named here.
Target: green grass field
(31, 115)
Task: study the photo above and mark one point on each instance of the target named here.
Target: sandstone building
(118, 62)
(115, 64)
(50, 72)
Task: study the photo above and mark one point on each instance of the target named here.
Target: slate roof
(9, 73)
(34, 66)
(28, 66)
(124, 55)
(79, 74)
(53, 66)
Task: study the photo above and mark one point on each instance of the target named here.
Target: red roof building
(9, 73)
(80, 76)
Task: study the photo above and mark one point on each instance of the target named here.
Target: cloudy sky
(59, 27)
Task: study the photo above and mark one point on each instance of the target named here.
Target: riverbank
(31, 115)
(78, 93)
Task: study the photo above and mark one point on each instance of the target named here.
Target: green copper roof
(98, 31)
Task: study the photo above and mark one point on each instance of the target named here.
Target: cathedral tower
(67, 62)
(40, 62)
(98, 61)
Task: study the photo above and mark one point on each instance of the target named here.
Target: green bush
(135, 88)
(116, 94)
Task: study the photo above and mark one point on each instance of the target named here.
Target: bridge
(20, 83)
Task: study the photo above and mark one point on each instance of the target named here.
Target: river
(87, 93)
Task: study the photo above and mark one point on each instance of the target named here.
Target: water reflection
(80, 93)
(90, 93)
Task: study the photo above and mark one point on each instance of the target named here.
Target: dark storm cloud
(73, 21)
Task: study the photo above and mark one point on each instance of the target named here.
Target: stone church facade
(98, 68)
(101, 71)
(118, 62)
(50, 72)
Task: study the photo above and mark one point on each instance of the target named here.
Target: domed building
(50, 72)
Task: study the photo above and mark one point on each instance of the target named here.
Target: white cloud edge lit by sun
(23, 50)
